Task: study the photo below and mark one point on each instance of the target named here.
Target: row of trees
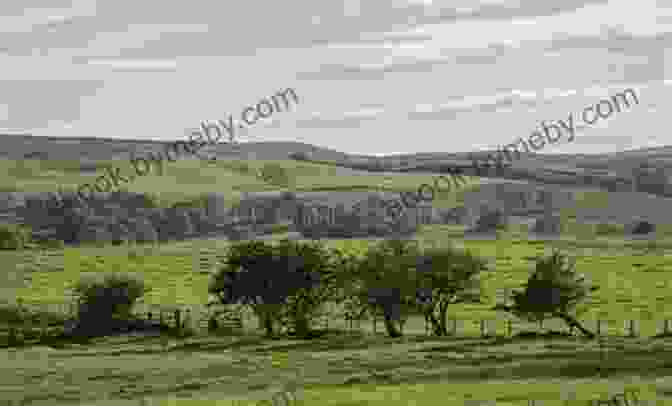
(288, 283)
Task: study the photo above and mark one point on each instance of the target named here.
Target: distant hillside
(610, 171)
(104, 149)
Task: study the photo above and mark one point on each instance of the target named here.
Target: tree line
(288, 283)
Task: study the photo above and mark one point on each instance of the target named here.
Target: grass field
(346, 369)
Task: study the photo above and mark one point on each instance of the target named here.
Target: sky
(372, 77)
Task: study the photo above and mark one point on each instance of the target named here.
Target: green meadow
(347, 369)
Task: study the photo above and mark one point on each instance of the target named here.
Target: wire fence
(200, 319)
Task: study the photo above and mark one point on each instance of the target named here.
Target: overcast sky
(373, 77)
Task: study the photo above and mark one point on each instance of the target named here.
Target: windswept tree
(285, 280)
(447, 276)
(553, 290)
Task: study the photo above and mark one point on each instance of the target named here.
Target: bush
(14, 237)
(105, 297)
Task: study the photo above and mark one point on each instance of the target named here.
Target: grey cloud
(345, 122)
(33, 103)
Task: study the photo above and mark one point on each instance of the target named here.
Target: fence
(199, 319)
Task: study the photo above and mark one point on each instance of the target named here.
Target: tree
(384, 280)
(287, 281)
(553, 290)
(300, 156)
(447, 276)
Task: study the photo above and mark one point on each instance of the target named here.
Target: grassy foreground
(356, 369)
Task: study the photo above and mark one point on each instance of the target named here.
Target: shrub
(14, 237)
(103, 297)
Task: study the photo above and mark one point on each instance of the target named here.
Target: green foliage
(103, 296)
(384, 280)
(553, 290)
(286, 281)
(14, 237)
(447, 276)
(274, 174)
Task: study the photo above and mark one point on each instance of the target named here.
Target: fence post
(509, 328)
(187, 323)
(666, 326)
(161, 321)
(12, 339)
(454, 329)
(632, 331)
(484, 329)
(43, 324)
(178, 325)
(599, 327)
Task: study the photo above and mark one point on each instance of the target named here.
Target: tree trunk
(267, 320)
(443, 310)
(301, 326)
(572, 322)
(392, 330)
(436, 326)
